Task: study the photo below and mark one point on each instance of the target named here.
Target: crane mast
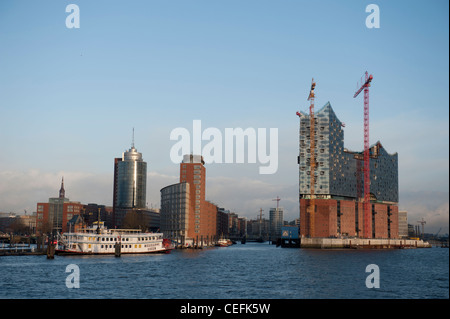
(312, 160)
(365, 86)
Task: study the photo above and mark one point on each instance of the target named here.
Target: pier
(362, 243)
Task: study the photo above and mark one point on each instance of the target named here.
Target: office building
(185, 213)
(54, 215)
(403, 224)
(130, 184)
(276, 222)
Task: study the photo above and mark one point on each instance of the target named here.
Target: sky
(70, 97)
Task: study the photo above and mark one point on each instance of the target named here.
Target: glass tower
(130, 180)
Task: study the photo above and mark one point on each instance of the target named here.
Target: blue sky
(69, 98)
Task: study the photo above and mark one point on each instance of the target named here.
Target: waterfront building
(175, 209)
(258, 228)
(276, 222)
(403, 224)
(130, 184)
(54, 215)
(339, 182)
(185, 214)
(222, 222)
(15, 223)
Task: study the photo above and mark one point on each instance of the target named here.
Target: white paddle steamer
(98, 240)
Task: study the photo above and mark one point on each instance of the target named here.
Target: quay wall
(361, 243)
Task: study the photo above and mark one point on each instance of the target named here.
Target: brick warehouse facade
(334, 218)
(186, 216)
(339, 182)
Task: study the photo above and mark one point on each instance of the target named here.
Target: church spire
(62, 192)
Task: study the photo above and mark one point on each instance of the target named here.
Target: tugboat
(98, 240)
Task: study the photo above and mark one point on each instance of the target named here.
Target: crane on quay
(366, 202)
(312, 160)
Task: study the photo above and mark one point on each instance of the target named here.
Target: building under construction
(332, 196)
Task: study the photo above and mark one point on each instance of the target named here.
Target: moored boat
(98, 240)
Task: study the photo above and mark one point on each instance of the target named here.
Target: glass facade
(276, 222)
(339, 171)
(131, 180)
(175, 211)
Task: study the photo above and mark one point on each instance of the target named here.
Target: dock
(362, 243)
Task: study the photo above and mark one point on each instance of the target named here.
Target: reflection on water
(253, 270)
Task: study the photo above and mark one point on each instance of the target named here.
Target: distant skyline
(69, 98)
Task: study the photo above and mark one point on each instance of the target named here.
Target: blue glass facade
(131, 181)
(338, 171)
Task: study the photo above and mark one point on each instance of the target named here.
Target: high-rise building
(203, 214)
(130, 184)
(130, 181)
(276, 222)
(175, 209)
(185, 214)
(339, 183)
(54, 215)
(403, 224)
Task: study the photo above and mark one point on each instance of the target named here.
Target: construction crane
(422, 222)
(312, 161)
(365, 86)
(312, 158)
(278, 200)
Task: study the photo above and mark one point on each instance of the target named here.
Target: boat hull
(60, 252)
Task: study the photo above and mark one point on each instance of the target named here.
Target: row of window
(124, 246)
(122, 239)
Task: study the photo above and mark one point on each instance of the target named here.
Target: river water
(253, 270)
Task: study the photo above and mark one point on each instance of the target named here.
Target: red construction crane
(312, 162)
(365, 86)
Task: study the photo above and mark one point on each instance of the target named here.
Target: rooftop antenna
(132, 141)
